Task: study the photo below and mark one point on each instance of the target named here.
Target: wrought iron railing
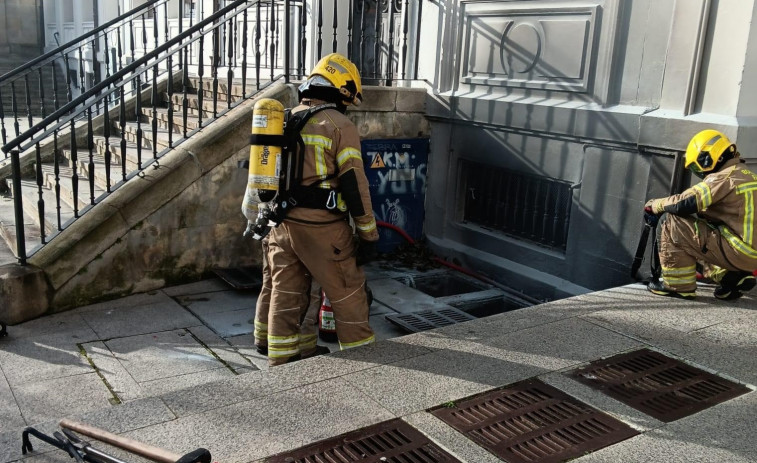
(249, 44)
(41, 86)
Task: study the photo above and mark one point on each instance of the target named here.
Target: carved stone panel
(526, 45)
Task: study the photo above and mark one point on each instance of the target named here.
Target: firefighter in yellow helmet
(721, 236)
(315, 238)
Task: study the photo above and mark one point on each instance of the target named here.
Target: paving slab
(721, 335)
(10, 414)
(230, 323)
(205, 378)
(115, 321)
(450, 439)
(256, 428)
(162, 355)
(221, 348)
(62, 324)
(203, 286)
(55, 398)
(460, 368)
(41, 357)
(723, 433)
(122, 384)
(218, 301)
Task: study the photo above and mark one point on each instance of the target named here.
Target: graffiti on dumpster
(397, 175)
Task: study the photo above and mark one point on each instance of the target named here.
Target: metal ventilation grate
(429, 319)
(241, 277)
(391, 441)
(659, 386)
(534, 422)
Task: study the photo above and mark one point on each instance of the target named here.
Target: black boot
(734, 284)
(659, 288)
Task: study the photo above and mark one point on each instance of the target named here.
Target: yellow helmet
(705, 150)
(342, 74)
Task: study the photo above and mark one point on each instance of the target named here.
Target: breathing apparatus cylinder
(265, 159)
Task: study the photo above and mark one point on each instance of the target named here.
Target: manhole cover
(534, 422)
(241, 277)
(659, 386)
(429, 319)
(390, 441)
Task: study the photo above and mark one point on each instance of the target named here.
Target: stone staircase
(130, 145)
(11, 62)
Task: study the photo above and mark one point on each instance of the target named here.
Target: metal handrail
(118, 76)
(81, 38)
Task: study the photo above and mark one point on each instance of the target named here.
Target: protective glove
(366, 252)
(651, 208)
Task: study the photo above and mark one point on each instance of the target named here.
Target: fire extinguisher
(326, 321)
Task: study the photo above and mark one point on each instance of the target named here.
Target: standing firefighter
(722, 235)
(322, 183)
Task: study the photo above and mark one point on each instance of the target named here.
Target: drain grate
(659, 386)
(392, 441)
(241, 277)
(429, 319)
(534, 422)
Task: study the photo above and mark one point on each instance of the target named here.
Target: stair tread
(8, 231)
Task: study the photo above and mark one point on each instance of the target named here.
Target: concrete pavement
(176, 368)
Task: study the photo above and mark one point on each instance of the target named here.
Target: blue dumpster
(396, 172)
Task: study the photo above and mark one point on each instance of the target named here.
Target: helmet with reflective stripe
(706, 150)
(342, 74)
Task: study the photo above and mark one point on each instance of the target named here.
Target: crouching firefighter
(722, 234)
(304, 205)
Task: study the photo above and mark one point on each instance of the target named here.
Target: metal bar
(91, 166)
(362, 34)
(287, 39)
(418, 37)
(154, 98)
(106, 134)
(122, 124)
(272, 53)
(28, 97)
(81, 71)
(349, 30)
(257, 45)
(137, 113)
(335, 20)
(42, 109)
(14, 108)
(181, 30)
(376, 48)
(170, 100)
(244, 53)
(390, 59)
(230, 69)
(406, 8)
(200, 73)
(185, 89)
(74, 175)
(18, 208)
(40, 197)
(320, 29)
(303, 38)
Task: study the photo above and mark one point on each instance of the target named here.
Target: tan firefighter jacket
(727, 200)
(332, 146)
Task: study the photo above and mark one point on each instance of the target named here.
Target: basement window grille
(528, 207)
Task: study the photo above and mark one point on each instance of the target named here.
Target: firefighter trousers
(327, 252)
(686, 240)
(308, 326)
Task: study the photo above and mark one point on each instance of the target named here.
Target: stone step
(178, 119)
(66, 183)
(100, 172)
(148, 139)
(8, 244)
(193, 103)
(131, 155)
(30, 197)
